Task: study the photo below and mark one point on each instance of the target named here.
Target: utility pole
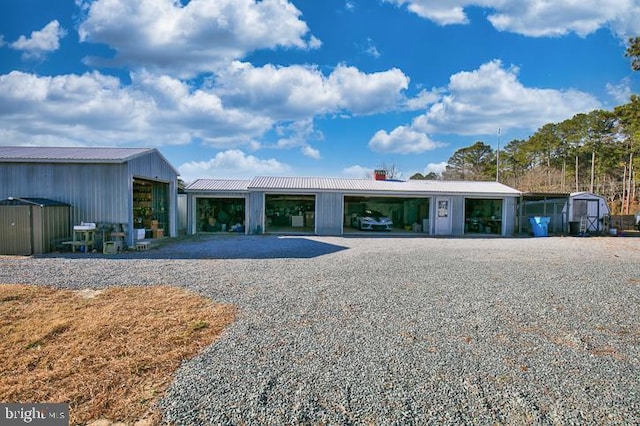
(498, 158)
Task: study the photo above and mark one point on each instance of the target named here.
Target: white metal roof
(267, 183)
(69, 154)
(218, 185)
(586, 194)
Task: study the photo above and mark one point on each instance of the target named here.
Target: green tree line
(597, 152)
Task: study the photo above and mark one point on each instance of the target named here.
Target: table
(82, 236)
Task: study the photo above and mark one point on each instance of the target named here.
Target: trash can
(540, 225)
(574, 228)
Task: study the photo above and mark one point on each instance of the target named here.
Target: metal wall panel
(329, 213)
(457, 215)
(255, 224)
(509, 216)
(96, 192)
(55, 224)
(183, 218)
(15, 230)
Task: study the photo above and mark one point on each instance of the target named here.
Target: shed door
(590, 209)
(15, 230)
(443, 216)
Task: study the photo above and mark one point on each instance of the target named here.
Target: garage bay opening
(220, 214)
(482, 216)
(395, 214)
(290, 213)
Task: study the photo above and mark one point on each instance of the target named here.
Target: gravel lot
(393, 330)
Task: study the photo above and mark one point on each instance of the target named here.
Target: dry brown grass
(108, 354)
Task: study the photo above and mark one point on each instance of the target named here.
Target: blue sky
(239, 88)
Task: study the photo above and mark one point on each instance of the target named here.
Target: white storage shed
(592, 207)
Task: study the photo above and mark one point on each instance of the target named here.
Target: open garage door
(290, 213)
(220, 214)
(388, 214)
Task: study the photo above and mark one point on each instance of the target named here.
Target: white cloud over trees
(479, 102)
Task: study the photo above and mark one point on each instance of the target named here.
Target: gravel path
(395, 330)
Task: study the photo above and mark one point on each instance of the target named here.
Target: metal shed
(32, 225)
(592, 207)
(126, 186)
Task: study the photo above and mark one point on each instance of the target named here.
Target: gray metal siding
(152, 166)
(183, 218)
(457, 215)
(329, 213)
(255, 210)
(96, 192)
(509, 216)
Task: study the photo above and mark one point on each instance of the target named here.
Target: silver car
(373, 221)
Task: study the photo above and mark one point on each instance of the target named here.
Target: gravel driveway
(391, 330)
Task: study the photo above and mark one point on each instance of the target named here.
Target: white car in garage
(372, 220)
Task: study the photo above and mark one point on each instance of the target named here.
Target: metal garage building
(326, 206)
(127, 186)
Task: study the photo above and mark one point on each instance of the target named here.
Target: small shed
(592, 207)
(32, 225)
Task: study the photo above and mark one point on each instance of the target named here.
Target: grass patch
(109, 354)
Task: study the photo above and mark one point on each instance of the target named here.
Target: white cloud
(298, 92)
(357, 172)
(479, 101)
(195, 37)
(537, 18)
(238, 108)
(403, 140)
(372, 49)
(41, 42)
(310, 152)
(620, 92)
(94, 109)
(298, 134)
(422, 100)
(232, 164)
(362, 93)
(436, 168)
